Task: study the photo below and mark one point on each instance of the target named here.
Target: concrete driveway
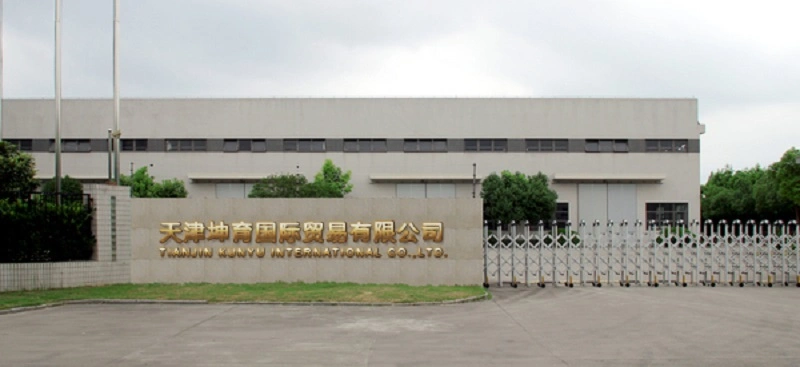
(531, 327)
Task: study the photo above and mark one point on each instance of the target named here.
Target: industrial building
(607, 158)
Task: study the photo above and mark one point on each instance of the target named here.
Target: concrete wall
(112, 255)
(462, 220)
(361, 118)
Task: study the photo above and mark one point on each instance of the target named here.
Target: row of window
(373, 145)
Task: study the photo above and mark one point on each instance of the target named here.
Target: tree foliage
(787, 175)
(42, 231)
(753, 193)
(173, 188)
(69, 185)
(280, 186)
(144, 186)
(515, 196)
(17, 169)
(330, 182)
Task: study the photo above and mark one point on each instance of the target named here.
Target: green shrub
(69, 185)
(42, 231)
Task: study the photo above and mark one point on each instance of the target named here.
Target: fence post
(486, 254)
(499, 258)
(527, 238)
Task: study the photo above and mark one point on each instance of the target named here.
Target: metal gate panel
(736, 254)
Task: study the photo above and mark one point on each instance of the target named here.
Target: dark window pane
(440, 145)
(651, 145)
(410, 145)
(485, 145)
(592, 146)
(620, 145)
(172, 145)
(199, 145)
(364, 145)
(606, 146)
(185, 145)
(681, 145)
(471, 145)
(425, 146)
(546, 145)
(304, 146)
(244, 145)
(127, 145)
(350, 146)
(500, 145)
(379, 145)
(259, 145)
(84, 146)
(532, 145)
(560, 145)
(69, 146)
(230, 146)
(290, 145)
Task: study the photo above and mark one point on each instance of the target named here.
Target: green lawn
(263, 292)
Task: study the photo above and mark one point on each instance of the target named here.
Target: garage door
(606, 201)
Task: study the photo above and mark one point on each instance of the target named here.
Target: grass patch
(263, 292)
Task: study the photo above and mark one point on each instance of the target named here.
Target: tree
(17, 169)
(515, 196)
(144, 186)
(728, 194)
(787, 176)
(331, 182)
(754, 193)
(141, 183)
(281, 186)
(69, 185)
(173, 188)
(770, 204)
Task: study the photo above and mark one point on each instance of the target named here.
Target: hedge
(42, 231)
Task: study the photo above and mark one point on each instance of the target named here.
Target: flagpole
(1, 70)
(58, 97)
(117, 132)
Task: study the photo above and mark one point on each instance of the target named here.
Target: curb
(483, 297)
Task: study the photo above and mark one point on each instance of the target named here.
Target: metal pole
(474, 179)
(110, 150)
(117, 132)
(1, 70)
(58, 97)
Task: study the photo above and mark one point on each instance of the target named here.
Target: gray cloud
(739, 60)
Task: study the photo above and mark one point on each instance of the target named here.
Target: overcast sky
(741, 60)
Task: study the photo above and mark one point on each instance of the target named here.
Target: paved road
(530, 327)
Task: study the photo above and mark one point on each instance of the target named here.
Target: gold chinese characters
(296, 232)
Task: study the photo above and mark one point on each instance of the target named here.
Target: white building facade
(608, 159)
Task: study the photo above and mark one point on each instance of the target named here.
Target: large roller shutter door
(622, 203)
(607, 201)
(592, 203)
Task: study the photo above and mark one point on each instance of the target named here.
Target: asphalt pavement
(582, 326)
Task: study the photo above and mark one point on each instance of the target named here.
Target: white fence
(623, 254)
